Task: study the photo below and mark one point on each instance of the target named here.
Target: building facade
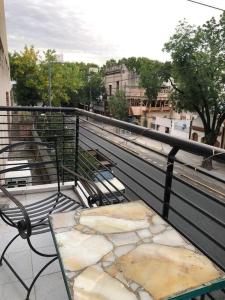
(120, 78)
(5, 84)
(198, 135)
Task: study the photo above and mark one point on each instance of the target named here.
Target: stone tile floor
(50, 285)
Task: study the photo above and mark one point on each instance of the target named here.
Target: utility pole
(49, 84)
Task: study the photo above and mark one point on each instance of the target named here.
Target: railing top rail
(185, 145)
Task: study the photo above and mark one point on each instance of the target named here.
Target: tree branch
(175, 87)
(202, 116)
(220, 121)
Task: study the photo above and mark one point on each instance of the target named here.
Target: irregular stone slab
(164, 271)
(63, 220)
(119, 251)
(169, 238)
(119, 239)
(104, 224)
(95, 284)
(79, 250)
(136, 210)
(157, 220)
(145, 296)
(109, 257)
(155, 229)
(144, 233)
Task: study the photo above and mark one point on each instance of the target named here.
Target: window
(117, 85)
(12, 184)
(22, 183)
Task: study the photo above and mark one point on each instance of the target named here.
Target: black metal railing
(84, 149)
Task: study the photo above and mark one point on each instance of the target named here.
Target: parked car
(111, 188)
(18, 178)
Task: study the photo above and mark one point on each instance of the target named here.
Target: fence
(195, 213)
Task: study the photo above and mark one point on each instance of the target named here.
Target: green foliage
(198, 64)
(71, 83)
(93, 85)
(25, 70)
(118, 106)
(151, 79)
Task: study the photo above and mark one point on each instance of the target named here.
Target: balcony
(89, 144)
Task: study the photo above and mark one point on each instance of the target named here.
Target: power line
(203, 4)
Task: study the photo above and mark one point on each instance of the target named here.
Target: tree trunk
(210, 139)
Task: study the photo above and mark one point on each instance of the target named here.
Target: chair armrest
(24, 225)
(91, 186)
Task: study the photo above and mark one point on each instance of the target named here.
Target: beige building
(5, 85)
(120, 78)
(197, 133)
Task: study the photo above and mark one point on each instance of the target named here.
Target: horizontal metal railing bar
(36, 165)
(147, 190)
(155, 151)
(182, 144)
(191, 240)
(200, 191)
(103, 155)
(35, 182)
(80, 154)
(52, 123)
(105, 167)
(86, 174)
(29, 129)
(31, 157)
(45, 136)
(131, 153)
(198, 228)
(205, 213)
(143, 173)
(29, 149)
(37, 175)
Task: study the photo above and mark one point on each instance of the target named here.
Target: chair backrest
(18, 173)
(23, 225)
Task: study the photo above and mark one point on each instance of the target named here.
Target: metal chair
(32, 219)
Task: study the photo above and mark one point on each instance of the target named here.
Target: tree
(65, 79)
(25, 70)
(92, 85)
(32, 76)
(198, 70)
(118, 106)
(151, 79)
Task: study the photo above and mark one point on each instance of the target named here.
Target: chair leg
(38, 274)
(6, 248)
(38, 252)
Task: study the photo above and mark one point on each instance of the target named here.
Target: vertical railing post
(63, 157)
(76, 147)
(57, 163)
(168, 181)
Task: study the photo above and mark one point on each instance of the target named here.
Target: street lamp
(49, 84)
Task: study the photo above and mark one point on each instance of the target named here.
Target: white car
(19, 178)
(111, 188)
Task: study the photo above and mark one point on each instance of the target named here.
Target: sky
(97, 30)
